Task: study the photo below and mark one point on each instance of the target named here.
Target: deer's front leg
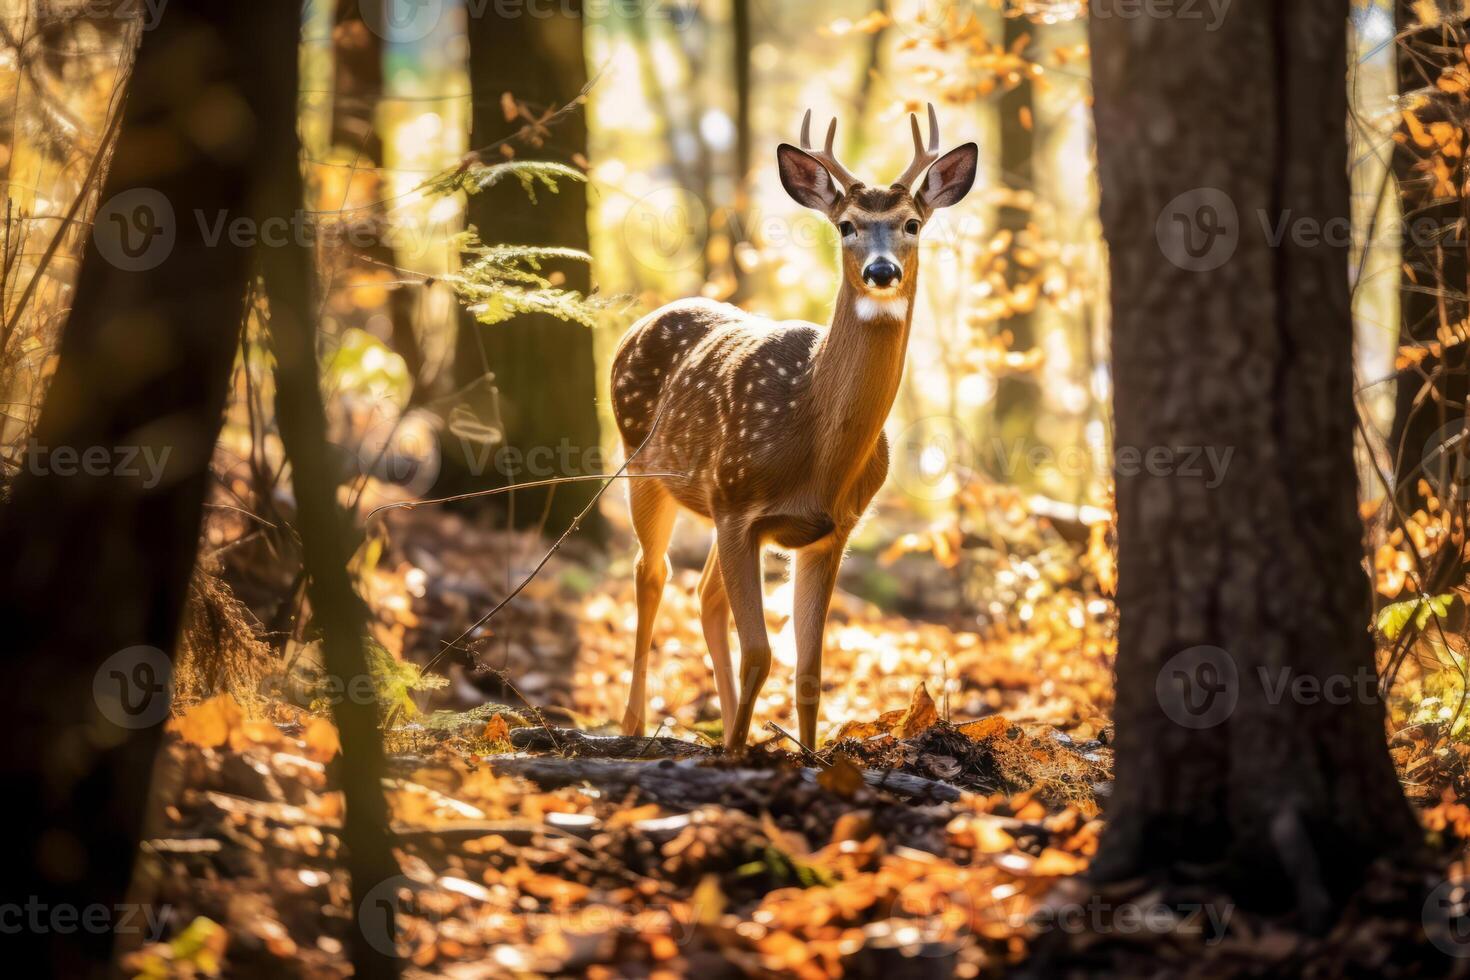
(816, 575)
(740, 567)
(653, 514)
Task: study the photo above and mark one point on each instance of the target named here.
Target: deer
(772, 430)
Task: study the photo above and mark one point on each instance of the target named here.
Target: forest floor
(961, 786)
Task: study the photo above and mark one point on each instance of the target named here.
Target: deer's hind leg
(714, 616)
(653, 511)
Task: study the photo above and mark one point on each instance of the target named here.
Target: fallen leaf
(984, 729)
(708, 902)
(322, 742)
(842, 777)
(921, 715)
(861, 730)
(209, 723)
(1057, 863)
(853, 825)
(496, 730)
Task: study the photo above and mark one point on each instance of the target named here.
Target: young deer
(776, 427)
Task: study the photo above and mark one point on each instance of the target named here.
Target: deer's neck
(856, 372)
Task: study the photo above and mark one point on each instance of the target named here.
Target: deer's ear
(950, 178)
(805, 179)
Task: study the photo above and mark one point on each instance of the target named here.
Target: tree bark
(98, 556)
(1222, 340)
(544, 368)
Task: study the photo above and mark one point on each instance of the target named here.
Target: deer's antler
(922, 157)
(825, 156)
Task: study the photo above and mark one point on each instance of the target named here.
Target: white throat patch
(869, 308)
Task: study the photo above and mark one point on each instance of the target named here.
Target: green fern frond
(505, 281)
(499, 282)
(507, 302)
(531, 173)
(531, 255)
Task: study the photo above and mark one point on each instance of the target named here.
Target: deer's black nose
(882, 273)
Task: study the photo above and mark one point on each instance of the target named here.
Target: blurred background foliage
(1008, 378)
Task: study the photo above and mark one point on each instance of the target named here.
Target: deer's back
(729, 390)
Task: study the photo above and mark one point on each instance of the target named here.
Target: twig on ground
(772, 726)
(556, 546)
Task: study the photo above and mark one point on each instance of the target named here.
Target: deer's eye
(911, 226)
(847, 228)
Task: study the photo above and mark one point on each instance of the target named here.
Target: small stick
(411, 504)
(797, 742)
(576, 523)
(652, 738)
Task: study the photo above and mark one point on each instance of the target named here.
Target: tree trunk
(742, 41)
(288, 274)
(1436, 279)
(1221, 340)
(357, 87)
(544, 369)
(1016, 396)
(102, 529)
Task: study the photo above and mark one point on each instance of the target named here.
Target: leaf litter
(961, 788)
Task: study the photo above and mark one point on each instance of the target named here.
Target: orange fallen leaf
(984, 729)
(842, 777)
(862, 730)
(632, 815)
(322, 742)
(496, 730)
(853, 825)
(1057, 863)
(558, 891)
(209, 723)
(921, 715)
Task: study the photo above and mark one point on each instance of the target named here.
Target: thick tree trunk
(1222, 340)
(544, 369)
(99, 542)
